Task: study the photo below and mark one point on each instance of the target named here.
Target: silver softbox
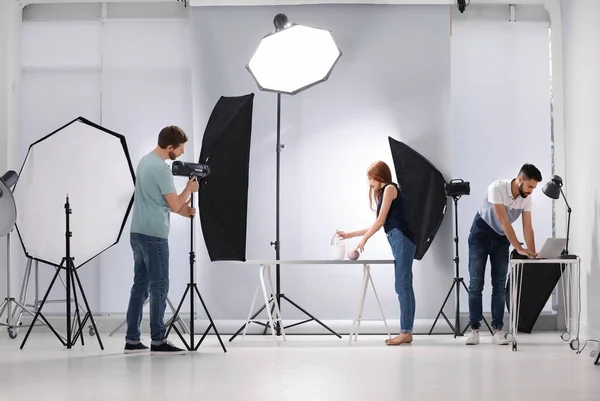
(92, 166)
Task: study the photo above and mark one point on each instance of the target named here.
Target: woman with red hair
(391, 212)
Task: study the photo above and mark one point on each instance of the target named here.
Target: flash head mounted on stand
(9, 179)
(185, 169)
(8, 209)
(457, 187)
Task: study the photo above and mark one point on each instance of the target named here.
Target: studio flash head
(457, 187)
(197, 170)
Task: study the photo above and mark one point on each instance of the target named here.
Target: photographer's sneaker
(499, 338)
(473, 338)
(166, 348)
(135, 348)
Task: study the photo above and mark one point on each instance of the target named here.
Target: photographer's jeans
(151, 274)
(484, 242)
(404, 252)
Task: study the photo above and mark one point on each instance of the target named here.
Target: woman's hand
(361, 245)
(343, 234)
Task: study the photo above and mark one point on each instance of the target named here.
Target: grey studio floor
(304, 368)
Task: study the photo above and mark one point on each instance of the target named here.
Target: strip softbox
(91, 165)
(423, 186)
(223, 195)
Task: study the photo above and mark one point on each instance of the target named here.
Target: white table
(265, 274)
(516, 280)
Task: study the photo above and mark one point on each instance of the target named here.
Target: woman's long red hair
(378, 171)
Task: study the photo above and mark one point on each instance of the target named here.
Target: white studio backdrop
(132, 77)
(500, 118)
(384, 85)
(434, 91)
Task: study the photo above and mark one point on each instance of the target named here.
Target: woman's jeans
(151, 273)
(404, 252)
(484, 242)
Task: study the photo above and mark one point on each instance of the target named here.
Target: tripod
(71, 272)
(456, 284)
(192, 288)
(278, 296)
(8, 301)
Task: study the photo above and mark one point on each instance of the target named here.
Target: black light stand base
(456, 327)
(277, 327)
(73, 334)
(192, 289)
(457, 281)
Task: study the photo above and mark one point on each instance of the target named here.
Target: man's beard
(172, 155)
(523, 194)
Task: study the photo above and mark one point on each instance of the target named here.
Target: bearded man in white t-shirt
(491, 236)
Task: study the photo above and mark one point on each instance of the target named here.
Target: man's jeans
(484, 242)
(151, 273)
(404, 252)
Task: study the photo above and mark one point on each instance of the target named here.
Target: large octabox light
(91, 165)
(293, 58)
(290, 60)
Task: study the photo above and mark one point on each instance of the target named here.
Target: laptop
(552, 249)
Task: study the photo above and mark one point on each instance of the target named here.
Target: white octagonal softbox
(90, 165)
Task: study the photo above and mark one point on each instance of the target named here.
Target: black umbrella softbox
(423, 186)
(223, 195)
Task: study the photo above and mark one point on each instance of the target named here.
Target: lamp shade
(8, 209)
(552, 187)
(293, 59)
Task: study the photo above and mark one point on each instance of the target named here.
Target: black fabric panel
(224, 193)
(423, 185)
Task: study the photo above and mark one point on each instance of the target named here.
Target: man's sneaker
(473, 338)
(499, 338)
(135, 348)
(166, 348)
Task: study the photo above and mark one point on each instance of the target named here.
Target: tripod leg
(39, 313)
(243, 328)
(311, 316)
(441, 312)
(89, 311)
(183, 327)
(174, 319)
(78, 320)
(212, 323)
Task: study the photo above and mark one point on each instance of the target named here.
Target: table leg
(359, 309)
(276, 309)
(370, 278)
(266, 297)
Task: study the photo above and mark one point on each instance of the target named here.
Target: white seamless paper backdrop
(500, 119)
(384, 85)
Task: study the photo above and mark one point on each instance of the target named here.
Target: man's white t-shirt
(499, 192)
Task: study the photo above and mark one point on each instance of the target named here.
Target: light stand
(71, 273)
(553, 190)
(290, 60)
(455, 189)
(8, 216)
(198, 172)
